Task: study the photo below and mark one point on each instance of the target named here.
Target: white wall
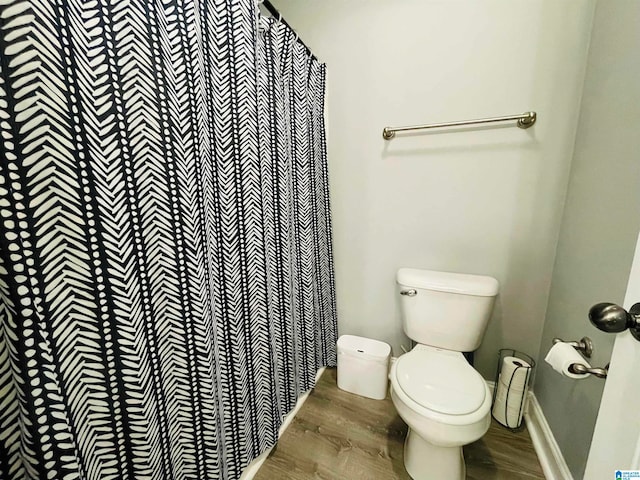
(480, 201)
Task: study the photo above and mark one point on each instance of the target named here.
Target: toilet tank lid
(461, 283)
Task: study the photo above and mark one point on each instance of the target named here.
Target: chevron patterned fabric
(166, 273)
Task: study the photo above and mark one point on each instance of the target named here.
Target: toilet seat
(440, 385)
(441, 380)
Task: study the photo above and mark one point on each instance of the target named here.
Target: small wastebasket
(363, 366)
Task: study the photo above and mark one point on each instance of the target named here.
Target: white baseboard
(551, 459)
(549, 454)
(252, 469)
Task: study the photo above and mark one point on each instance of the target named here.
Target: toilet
(445, 402)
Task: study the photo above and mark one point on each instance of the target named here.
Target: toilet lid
(441, 380)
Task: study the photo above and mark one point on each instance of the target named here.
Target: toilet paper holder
(584, 346)
(596, 372)
(508, 409)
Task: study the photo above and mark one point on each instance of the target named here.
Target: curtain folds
(166, 275)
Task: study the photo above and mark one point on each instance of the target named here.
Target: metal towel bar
(524, 120)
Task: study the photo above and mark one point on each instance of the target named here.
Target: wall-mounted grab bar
(524, 120)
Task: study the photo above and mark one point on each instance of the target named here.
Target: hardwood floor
(340, 436)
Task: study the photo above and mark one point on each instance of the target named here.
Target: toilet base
(425, 461)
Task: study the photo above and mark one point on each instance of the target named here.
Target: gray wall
(474, 200)
(600, 223)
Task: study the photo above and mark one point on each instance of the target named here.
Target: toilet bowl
(446, 404)
(444, 400)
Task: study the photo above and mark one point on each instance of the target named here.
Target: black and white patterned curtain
(166, 277)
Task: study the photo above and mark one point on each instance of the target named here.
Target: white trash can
(363, 366)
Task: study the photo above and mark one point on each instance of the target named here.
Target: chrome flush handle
(409, 293)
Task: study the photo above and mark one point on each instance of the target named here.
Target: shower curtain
(166, 276)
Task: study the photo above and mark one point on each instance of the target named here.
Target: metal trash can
(363, 366)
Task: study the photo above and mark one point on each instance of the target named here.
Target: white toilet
(445, 402)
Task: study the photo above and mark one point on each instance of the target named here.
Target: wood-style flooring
(340, 436)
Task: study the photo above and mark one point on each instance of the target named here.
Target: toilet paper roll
(518, 385)
(511, 399)
(508, 407)
(561, 355)
(514, 373)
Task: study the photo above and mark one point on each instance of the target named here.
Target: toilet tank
(445, 310)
